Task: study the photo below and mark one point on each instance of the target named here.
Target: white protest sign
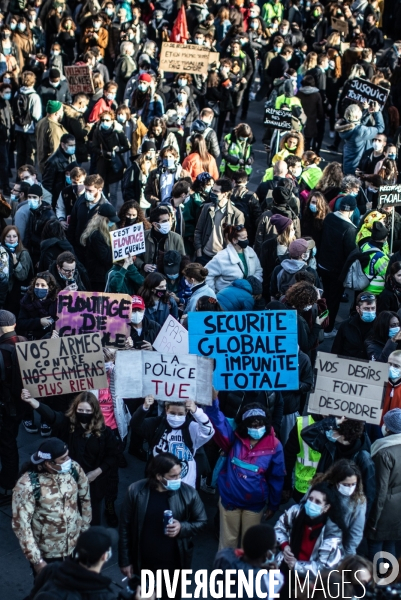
(167, 377)
(347, 387)
(172, 338)
(127, 241)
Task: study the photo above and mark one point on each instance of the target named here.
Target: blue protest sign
(252, 350)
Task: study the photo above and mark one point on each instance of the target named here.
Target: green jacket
(311, 176)
(124, 281)
(377, 267)
(191, 210)
(270, 10)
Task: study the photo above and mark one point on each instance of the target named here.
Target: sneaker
(45, 430)
(30, 427)
(332, 134)
(110, 514)
(330, 334)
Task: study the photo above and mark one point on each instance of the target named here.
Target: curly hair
(242, 425)
(300, 145)
(322, 210)
(339, 471)
(301, 294)
(332, 177)
(51, 282)
(351, 430)
(140, 214)
(97, 425)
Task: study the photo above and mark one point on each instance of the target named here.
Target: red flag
(179, 32)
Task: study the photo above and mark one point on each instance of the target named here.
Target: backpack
(21, 110)
(355, 277)
(285, 280)
(34, 478)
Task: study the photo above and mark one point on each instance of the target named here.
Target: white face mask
(346, 490)
(165, 228)
(309, 307)
(176, 420)
(376, 146)
(65, 466)
(384, 430)
(137, 317)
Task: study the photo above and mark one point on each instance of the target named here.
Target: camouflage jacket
(49, 526)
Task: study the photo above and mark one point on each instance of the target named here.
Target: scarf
(300, 522)
(386, 442)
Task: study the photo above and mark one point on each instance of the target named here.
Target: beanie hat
(280, 222)
(258, 540)
(204, 177)
(392, 420)
(7, 319)
(35, 190)
(53, 106)
(148, 145)
(282, 193)
(347, 202)
(379, 231)
(93, 543)
(145, 77)
(297, 248)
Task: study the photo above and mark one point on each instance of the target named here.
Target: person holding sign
(144, 331)
(253, 472)
(124, 277)
(38, 308)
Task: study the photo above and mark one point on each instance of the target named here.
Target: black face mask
(84, 418)
(243, 243)
(129, 221)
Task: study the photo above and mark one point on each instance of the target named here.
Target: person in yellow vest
(288, 98)
(311, 173)
(290, 143)
(301, 457)
(237, 151)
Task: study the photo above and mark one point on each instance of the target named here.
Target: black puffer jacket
(49, 251)
(37, 221)
(54, 174)
(350, 338)
(187, 508)
(30, 313)
(102, 144)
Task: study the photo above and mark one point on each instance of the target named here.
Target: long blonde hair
(97, 223)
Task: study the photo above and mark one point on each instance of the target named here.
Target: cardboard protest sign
(350, 388)
(184, 58)
(390, 195)
(214, 57)
(252, 350)
(339, 25)
(279, 119)
(79, 79)
(87, 312)
(167, 377)
(361, 90)
(128, 241)
(62, 365)
(172, 338)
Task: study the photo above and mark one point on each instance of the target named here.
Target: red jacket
(101, 105)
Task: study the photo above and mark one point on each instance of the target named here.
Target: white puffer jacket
(226, 266)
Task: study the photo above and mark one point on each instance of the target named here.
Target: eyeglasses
(68, 271)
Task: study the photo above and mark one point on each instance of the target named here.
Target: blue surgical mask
(68, 179)
(181, 97)
(313, 510)
(394, 372)
(368, 316)
(89, 197)
(172, 484)
(11, 246)
(313, 208)
(390, 156)
(106, 124)
(121, 118)
(353, 194)
(34, 204)
(242, 139)
(256, 433)
(392, 331)
(7, 96)
(182, 82)
(173, 277)
(6, 51)
(70, 150)
(40, 293)
(169, 163)
(277, 49)
(330, 435)
(111, 224)
(142, 87)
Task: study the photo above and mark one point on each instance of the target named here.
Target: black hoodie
(68, 580)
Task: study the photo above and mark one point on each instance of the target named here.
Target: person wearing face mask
(143, 332)
(22, 269)
(144, 542)
(376, 248)
(54, 88)
(124, 68)
(195, 277)
(56, 166)
(250, 448)
(142, 98)
(40, 213)
(390, 298)
(91, 443)
(199, 194)
(315, 211)
(49, 132)
(136, 176)
(283, 276)
(38, 307)
(105, 102)
(6, 126)
(185, 108)
(161, 180)
(95, 35)
(134, 130)
(158, 27)
(237, 151)
(383, 528)
(384, 337)
(23, 39)
(159, 302)
(372, 156)
(50, 484)
(353, 333)
(203, 125)
(247, 202)
(124, 277)
(392, 398)
(69, 273)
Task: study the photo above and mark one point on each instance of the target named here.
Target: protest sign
(346, 387)
(79, 79)
(361, 90)
(390, 195)
(128, 241)
(252, 350)
(168, 377)
(339, 25)
(172, 338)
(279, 119)
(214, 57)
(87, 312)
(62, 365)
(184, 58)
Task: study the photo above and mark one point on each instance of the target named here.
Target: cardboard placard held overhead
(167, 377)
(79, 79)
(361, 90)
(339, 25)
(350, 388)
(172, 338)
(389, 195)
(277, 118)
(184, 58)
(214, 57)
(62, 365)
(87, 312)
(128, 241)
(252, 350)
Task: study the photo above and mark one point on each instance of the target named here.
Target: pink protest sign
(87, 312)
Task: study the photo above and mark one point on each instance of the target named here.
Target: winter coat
(248, 203)
(53, 178)
(48, 92)
(338, 241)
(162, 310)
(152, 188)
(312, 105)
(237, 296)
(99, 259)
(6, 120)
(292, 398)
(75, 123)
(66, 200)
(81, 214)
(226, 266)
(239, 487)
(197, 292)
(186, 507)
(327, 552)
(265, 228)
(357, 138)
(385, 522)
(123, 281)
(35, 109)
(209, 135)
(80, 277)
(380, 351)
(103, 142)
(48, 135)
(173, 241)
(150, 331)
(350, 338)
(49, 251)
(315, 436)
(49, 527)
(190, 117)
(193, 164)
(283, 276)
(388, 299)
(205, 224)
(37, 220)
(30, 313)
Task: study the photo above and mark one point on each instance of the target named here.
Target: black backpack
(285, 280)
(21, 110)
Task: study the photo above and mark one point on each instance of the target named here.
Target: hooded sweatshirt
(35, 108)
